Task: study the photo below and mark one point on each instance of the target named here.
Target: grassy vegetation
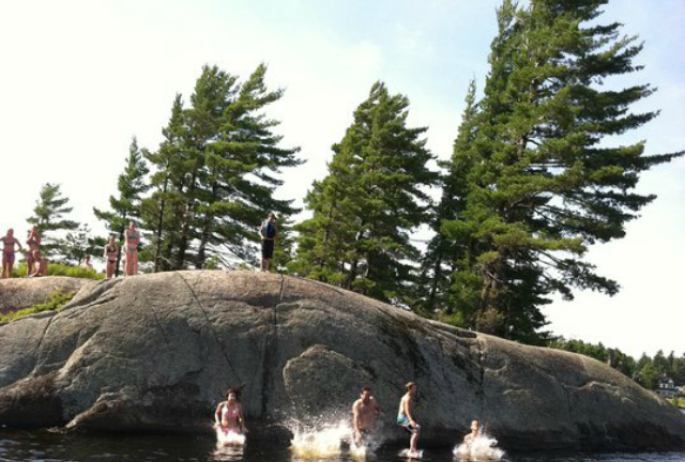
(680, 402)
(56, 269)
(55, 302)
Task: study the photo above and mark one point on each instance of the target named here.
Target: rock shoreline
(155, 353)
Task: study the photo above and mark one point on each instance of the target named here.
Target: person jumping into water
(269, 233)
(365, 411)
(229, 414)
(8, 241)
(405, 419)
(475, 433)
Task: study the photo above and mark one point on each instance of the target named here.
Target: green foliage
(537, 181)
(612, 356)
(49, 219)
(55, 302)
(367, 206)
(216, 171)
(56, 269)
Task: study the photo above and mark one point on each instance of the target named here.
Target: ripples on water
(43, 446)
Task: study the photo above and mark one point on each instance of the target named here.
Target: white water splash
(229, 438)
(482, 448)
(320, 441)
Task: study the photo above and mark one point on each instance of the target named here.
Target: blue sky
(79, 78)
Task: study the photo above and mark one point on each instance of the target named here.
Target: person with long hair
(8, 252)
(229, 414)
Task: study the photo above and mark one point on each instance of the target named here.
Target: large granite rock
(20, 293)
(156, 352)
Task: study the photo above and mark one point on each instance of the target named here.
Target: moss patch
(56, 301)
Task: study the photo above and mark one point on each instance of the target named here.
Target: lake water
(44, 446)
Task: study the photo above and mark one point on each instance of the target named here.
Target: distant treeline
(646, 370)
(534, 179)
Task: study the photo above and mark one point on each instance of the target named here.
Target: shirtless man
(132, 240)
(365, 411)
(33, 242)
(405, 419)
(9, 241)
(111, 254)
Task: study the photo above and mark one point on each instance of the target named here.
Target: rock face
(20, 293)
(157, 352)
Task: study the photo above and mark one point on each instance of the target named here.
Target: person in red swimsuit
(9, 241)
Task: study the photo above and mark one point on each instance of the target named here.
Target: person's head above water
(232, 395)
(474, 426)
(410, 387)
(365, 394)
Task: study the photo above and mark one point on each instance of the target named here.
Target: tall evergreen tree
(131, 185)
(438, 261)
(216, 172)
(366, 208)
(240, 167)
(162, 210)
(546, 184)
(49, 218)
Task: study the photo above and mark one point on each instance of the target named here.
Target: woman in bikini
(111, 253)
(33, 242)
(131, 247)
(229, 414)
(9, 241)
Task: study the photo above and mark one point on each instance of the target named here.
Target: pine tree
(162, 210)
(241, 164)
(49, 219)
(367, 206)
(441, 254)
(546, 186)
(79, 244)
(131, 185)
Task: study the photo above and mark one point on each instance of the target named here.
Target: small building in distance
(666, 388)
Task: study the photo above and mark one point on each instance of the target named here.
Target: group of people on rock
(37, 265)
(229, 417)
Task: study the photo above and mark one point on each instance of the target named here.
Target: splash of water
(482, 448)
(322, 441)
(229, 438)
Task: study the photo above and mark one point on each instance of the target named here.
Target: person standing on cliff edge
(269, 233)
(9, 241)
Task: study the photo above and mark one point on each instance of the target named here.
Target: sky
(79, 79)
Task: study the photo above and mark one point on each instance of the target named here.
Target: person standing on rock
(405, 419)
(229, 414)
(365, 411)
(111, 254)
(132, 240)
(33, 243)
(8, 241)
(269, 234)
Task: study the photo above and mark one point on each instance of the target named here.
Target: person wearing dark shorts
(269, 233)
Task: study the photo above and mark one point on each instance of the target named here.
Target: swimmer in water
(475, 433)
(365, 411)
(405, 419)
(229, 414)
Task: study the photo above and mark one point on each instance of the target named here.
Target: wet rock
(157, 352)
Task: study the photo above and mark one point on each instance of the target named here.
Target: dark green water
(43, 446)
